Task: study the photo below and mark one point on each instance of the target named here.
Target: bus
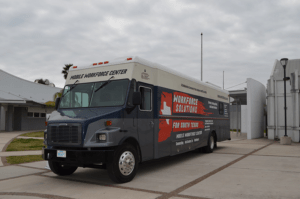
(116, 114)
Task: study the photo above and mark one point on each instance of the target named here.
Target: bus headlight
(102, 137)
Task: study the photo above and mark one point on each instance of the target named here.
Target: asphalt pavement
(240, 168)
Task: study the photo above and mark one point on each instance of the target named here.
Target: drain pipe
(276, 116)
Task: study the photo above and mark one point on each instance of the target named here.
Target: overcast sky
(243, 38)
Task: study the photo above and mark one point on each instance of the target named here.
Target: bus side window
(221, 108)
(146, 99)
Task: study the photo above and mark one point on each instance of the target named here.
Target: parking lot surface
(239, 168)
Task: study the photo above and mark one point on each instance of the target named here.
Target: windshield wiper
(105, 83)
(73, 86)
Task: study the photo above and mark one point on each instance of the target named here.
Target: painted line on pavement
(29, 166)
(120, 187)
(194, 182)
(164, 195)
(21, 176)
(101, 184)
(288, 156)
(33, 195)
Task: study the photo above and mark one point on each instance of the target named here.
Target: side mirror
(57, 103)
(137, 98)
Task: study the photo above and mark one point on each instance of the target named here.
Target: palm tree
(65, 70)
(41, 81)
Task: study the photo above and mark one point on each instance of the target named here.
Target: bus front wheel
(124, 165)
(60, 169)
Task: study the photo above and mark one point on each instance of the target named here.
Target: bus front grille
(65, 134)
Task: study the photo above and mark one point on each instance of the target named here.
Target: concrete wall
(16, 119)
(256, 100)
(29, 123)
(9, 116)
(276, 116)
(233, 116)
(244, 118)
(2, 120)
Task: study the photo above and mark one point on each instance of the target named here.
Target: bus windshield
(84, 95)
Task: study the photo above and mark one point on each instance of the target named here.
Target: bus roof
(136, 59)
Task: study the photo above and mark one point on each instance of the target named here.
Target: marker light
(74, 66)
(94, 64)
(100, 63)
(46, 123)
(108, 123)
(129, 59)
(102, 137)
(106, 62)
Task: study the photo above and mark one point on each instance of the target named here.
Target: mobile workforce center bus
(117, 114)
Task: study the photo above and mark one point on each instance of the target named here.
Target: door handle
(151, 123)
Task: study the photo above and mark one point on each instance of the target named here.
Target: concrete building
(23, 103)
(275, 91)
(247, 109)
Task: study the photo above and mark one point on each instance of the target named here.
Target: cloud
(243, 38)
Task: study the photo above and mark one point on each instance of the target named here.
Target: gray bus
(116, 114)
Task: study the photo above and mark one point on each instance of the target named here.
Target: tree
(41, 81)
(56, 95)
(65, 70)
(45, 82)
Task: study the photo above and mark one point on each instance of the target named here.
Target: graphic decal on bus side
(183, 103)
(186, 125)
(176, 103)
(165, 129)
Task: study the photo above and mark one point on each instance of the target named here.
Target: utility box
(275, 99)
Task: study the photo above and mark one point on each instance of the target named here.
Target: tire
(60, 169)
(210, 144)
(124, 165)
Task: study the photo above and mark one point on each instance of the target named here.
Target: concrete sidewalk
(237, 169)
(7, 137)
(20, 153)
(240, 168)
(23, 137)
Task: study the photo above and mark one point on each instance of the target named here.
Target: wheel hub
(126, 163)
(212, 142)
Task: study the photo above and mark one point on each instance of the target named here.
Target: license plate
(61, 154)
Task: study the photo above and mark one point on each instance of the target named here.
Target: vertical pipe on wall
(223, 80)
(201, 57)
(237, 116)
(0, 117)
(296, 109)
(240, 116)
(276, 116)
(285, 108)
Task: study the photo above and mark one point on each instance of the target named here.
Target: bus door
(146, 121)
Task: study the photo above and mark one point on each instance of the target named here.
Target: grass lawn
(23, 159)
(25, 144)
(234, 130)
(34, 134)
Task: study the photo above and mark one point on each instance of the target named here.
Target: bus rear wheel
(210, 144)
(125, 163)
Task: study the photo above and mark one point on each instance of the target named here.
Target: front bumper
(79, 157)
